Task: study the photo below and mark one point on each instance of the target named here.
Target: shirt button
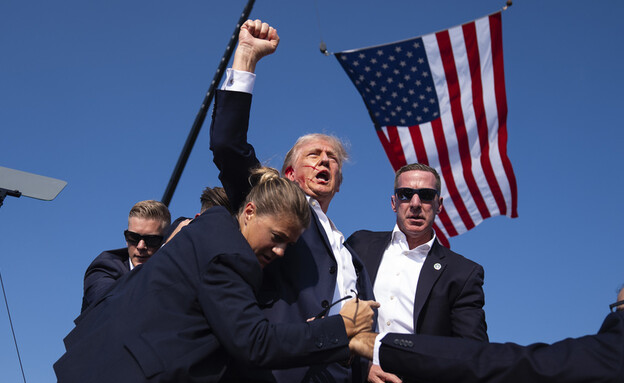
(392, 298)
(388, 323)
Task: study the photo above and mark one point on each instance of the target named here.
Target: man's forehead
(144, 221)
(319, 144)
(416, 176)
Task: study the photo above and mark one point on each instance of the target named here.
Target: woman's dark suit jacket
(182, 316)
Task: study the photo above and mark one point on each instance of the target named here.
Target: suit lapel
(434, 266)
(375, 253)
(323, 234)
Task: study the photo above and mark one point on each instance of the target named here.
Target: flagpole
(203, 110)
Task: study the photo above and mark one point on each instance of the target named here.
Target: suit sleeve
(594, 358)
(229, 303)
(467, 315)
(233, 155)
(99, 278)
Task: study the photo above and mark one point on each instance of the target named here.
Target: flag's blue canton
(395, 82)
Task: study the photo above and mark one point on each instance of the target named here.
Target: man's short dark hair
(421, 167)
(212, 197)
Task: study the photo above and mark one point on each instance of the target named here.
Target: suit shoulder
(216, 231)
(367, 235)
(457, 258)
(111, 256)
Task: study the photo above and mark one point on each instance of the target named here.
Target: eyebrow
(280, 234)
(284, 236)
(330, 153)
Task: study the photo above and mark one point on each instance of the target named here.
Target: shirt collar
(316, 206)
(399, 238)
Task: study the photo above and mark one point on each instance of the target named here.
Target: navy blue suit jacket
(182, 316)
(108, 267)
(589, 359)
(301, 284)
(449, 299)
(102, 274)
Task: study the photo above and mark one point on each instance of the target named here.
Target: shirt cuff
(376, 349)
(239, 81)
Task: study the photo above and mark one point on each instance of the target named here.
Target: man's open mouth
(323, 176)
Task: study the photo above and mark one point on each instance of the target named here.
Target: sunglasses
(326, 309)
(614, 306)
(152, 241)
(406, 194)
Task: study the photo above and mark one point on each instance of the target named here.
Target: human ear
(249, 211)
(440, 206)
(290, 173)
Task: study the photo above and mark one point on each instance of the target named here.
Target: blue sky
(103, 95)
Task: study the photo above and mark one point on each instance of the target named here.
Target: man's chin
(416, 223)
(323, 191)
(140, 260)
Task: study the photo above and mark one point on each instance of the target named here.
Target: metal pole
(5, 192)
(6, 302)
(203, 110)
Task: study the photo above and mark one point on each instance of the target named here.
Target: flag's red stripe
(452, 81)
(474, 62)
(447, 223)
(419, 145)
(496, 36)
(441, 237)
(447, 173)
(392, 146)
(421, 157)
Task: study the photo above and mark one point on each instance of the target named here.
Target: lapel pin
(437, 266)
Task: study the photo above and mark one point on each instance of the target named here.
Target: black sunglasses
(326, 309)
(614, 306)
(406, 194)
(152, 241)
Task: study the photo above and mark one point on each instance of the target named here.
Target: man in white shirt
(423, 287)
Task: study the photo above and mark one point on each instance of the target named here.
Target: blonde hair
(274, 195)
(151, 209)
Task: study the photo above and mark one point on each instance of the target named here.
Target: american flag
(440, 100)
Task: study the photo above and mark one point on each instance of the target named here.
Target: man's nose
(141, 245)
(324, 158)
(279, 250)
(415, 202)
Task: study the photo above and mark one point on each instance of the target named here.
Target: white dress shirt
(346, 278)
(396, 282)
